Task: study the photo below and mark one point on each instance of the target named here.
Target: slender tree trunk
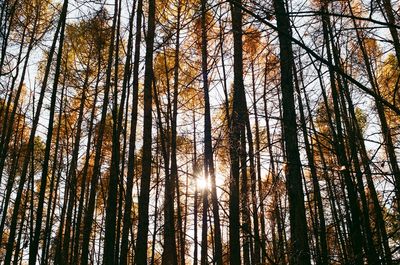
(132, 139)
(209, 170)
(237, 125)
(300, 252)
(111, 204)
(253, 175)
(50, 206)
(174, 166)
(195, 207)
(390, 16)
(72, 181)
(85, 169)
(204, 226)
(246, 222)
(89, 213)
(355, 228)
(333, 204)
(11, 238)
(170, 246)
(141, 247)
(153, 242)
(168, 145)
(319, 215)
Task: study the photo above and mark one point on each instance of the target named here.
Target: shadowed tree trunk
(236, 132)
(390, 17)
(132, 138)
(319, 214)
(299, 252)
(143, 225)
(89, 213)
(209, 170)
(11, 238)
(112, 204)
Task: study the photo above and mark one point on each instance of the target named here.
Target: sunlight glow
(219, 179)
(203, 183)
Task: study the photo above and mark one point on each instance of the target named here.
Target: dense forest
(201, 132)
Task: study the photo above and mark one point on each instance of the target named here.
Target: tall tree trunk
(141, 247)
(253, 174)
(300, 252)
(170, 246)
(390, 16)
(244, 196)
(339, 147)
(72, 181)
(209, 169)
(132, 138)
(89, 213)
(170, 249)
(85, 170)
(50, 205)
(111, 204)
(195, 207)
(319, 215)
(237, 126)
(11, 238)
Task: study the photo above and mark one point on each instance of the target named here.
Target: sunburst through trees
(199, 132)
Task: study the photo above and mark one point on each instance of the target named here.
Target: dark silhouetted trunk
(143, 225)
(300, 252)
(89, 213)
(132, 139)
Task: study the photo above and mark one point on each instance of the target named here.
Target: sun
(202, 183)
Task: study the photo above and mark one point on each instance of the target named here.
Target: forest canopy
(202, 132)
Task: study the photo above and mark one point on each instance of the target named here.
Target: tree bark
(143, 225)
(300, 252)
(237, 126)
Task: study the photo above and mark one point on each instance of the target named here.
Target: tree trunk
(300, 252)
(111, 204)
(88, 218)
(143, 225)
(237, 126)
(132, 138)
(319, 215)
(209, 170)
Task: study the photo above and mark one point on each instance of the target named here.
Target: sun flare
(203, 183)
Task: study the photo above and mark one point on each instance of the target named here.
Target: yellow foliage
(389, 86)
(33, 17)
(252, 42)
